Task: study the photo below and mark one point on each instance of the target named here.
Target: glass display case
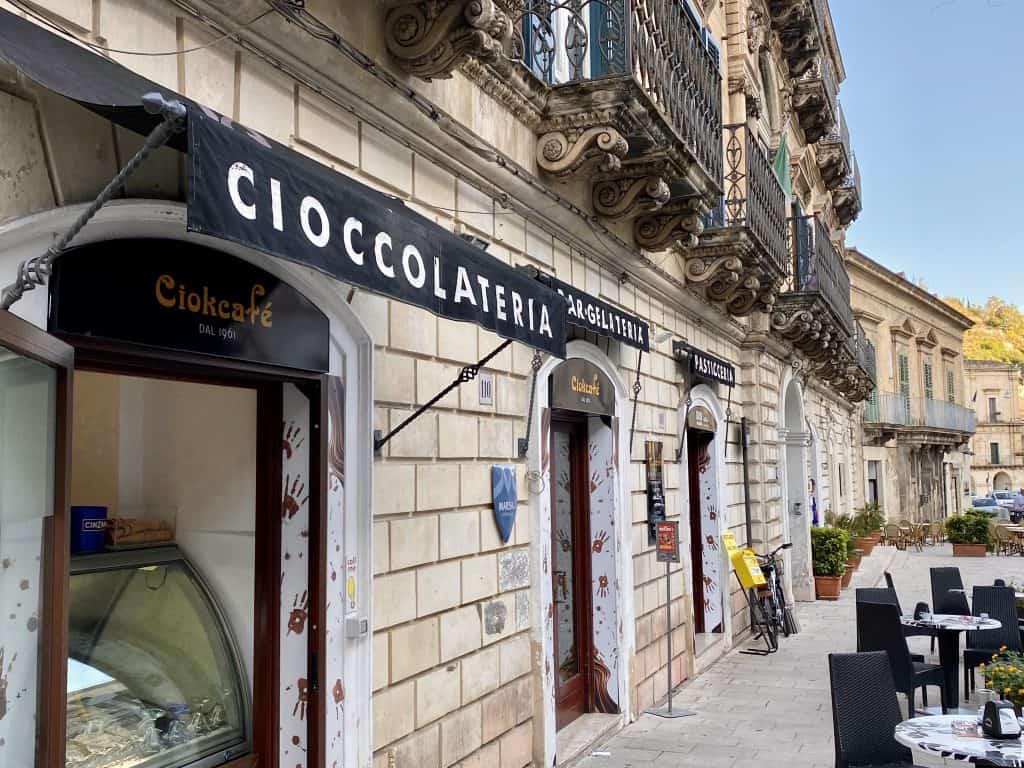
(154, 677)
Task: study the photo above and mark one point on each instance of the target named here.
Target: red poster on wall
(668, 541)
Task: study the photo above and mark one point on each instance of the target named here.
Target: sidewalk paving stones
(776, 711)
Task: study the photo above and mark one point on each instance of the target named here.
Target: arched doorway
(1002, 482)
(345, 471)
(582, 572)
(702, 471)
(799, 475)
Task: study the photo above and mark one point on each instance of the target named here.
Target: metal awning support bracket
(34, 272)
(468, 373)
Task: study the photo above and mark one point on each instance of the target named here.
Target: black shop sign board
(578, 385)
(184, 297)
(593, 314)
(703, 365)
(249, 190)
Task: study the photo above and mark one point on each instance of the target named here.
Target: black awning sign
(579, 385)
(167, 294)
(600, 317)
(705, 366)
(250, 191)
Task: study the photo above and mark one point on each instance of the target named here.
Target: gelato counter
(155, 679)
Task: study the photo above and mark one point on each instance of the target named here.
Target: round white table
(949, 627)
(934, 741)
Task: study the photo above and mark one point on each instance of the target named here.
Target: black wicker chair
(948, 595)
(865, 711)
(912, 631)
(885, 596)
(999, 603)
(879, 629)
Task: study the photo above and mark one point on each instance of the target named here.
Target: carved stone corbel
(628, 195)
(792, 325)
(562, 153)
(677, 222)
(431, 38)
(720, 275)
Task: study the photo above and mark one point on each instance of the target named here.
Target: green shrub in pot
(829, 551)
(968, 529)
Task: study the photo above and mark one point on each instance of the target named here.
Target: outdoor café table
(949, 627)
(934, 741)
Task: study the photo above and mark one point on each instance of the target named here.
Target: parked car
(989, 505)
(1003, 498)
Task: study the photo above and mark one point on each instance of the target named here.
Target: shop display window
(154, 677)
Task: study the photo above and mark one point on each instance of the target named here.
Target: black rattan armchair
(948, 594)
(879, 629)
(885, 596)
(999, 604)
(865, 711)
(911, 631)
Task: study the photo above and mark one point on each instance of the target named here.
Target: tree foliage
(998, 332)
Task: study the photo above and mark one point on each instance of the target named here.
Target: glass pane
(561, 471)
(27, 417)
(152, 676)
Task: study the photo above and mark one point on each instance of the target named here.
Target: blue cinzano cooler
(88, 528)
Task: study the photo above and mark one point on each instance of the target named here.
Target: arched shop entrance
(582, 619)
(1002, 482)
(797, 484)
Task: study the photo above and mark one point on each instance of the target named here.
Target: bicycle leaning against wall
(772, 596)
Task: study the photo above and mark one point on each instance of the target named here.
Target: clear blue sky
(934, 98)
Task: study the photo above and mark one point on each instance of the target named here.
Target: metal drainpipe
(746, 479)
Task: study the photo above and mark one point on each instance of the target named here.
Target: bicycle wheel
(780, 601)
(771, 611)
(768, 629)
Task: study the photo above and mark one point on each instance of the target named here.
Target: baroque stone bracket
(562, 153)
(431, 38)
(676, 222)
(630, 193)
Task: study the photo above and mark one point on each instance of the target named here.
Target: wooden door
(571, 580)
(695, 440)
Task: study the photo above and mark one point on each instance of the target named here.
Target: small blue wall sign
(503, 491)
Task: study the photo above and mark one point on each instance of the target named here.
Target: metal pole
(668, 622)
(746, 479)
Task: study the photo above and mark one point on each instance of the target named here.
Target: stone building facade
(919, 420)
(648, 195)
(997, 450)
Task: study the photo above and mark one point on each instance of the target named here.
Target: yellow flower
(981, 666)
(994, 657)
(1020, 691)
(1002, 648)
(1006, 689)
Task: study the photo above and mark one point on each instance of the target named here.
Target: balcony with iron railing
(814, 98)
(626, 93)
(633, 104)
(813, 309)
(741, 256)
(800, 25)
(834, 152)
(846, 198)
(887, 411)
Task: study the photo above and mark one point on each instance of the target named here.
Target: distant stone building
(997, 448)
(917, 423)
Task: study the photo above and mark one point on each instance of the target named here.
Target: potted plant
(828, 559)
(862, 528)
(1005, 676)
(874, 519)
(969, 534)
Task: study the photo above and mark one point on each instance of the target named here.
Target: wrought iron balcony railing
(863, 351)
(898, 410)
(834, 152)
(846, 198)
(657, 43)
(754, 198)
(818, 269)
(814, 98)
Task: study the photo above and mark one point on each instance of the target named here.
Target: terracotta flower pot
(852, 563)
(865, 543)
(969, 550)
(876, 535)
(847, 577)
(827, 587)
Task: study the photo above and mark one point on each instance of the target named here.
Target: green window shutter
(904, 379)
(929, 388)
(994, 449)
(950, 386)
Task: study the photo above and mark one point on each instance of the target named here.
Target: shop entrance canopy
(251, 190)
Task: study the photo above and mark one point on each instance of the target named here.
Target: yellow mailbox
(744, 562)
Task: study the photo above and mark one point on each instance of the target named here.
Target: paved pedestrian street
(775, 711)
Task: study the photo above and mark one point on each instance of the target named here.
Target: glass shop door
(35, 377)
